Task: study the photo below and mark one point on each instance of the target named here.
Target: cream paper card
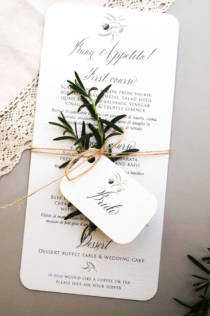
(136, 53)
(106, 195)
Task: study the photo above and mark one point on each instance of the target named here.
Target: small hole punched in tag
(110, 198)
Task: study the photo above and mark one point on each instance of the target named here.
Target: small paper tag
(111, 199)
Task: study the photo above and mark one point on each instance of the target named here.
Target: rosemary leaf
(114, 120)
(110, 124)
(96, 135)
(198, 264)
(64, 164)
(79, 80)
(73, 214)
(101, 94)
(63, 137)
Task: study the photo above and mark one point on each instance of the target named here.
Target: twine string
(87, 155)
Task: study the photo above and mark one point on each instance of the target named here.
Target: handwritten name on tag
(111, 199)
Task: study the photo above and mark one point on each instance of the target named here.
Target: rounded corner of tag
(122, 240)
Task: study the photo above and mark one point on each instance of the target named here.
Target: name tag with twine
(110, 198)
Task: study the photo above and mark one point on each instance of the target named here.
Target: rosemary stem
(100, 128)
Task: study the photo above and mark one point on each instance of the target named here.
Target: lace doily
(16, 120)
(16, 126)
(142, 5)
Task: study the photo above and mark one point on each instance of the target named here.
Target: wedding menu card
(136, 53)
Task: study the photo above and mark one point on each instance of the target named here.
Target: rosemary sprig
(202, 306)
(101, 130)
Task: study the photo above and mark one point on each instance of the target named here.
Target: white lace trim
(142, 5)
(16, 126)
(16, 120)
